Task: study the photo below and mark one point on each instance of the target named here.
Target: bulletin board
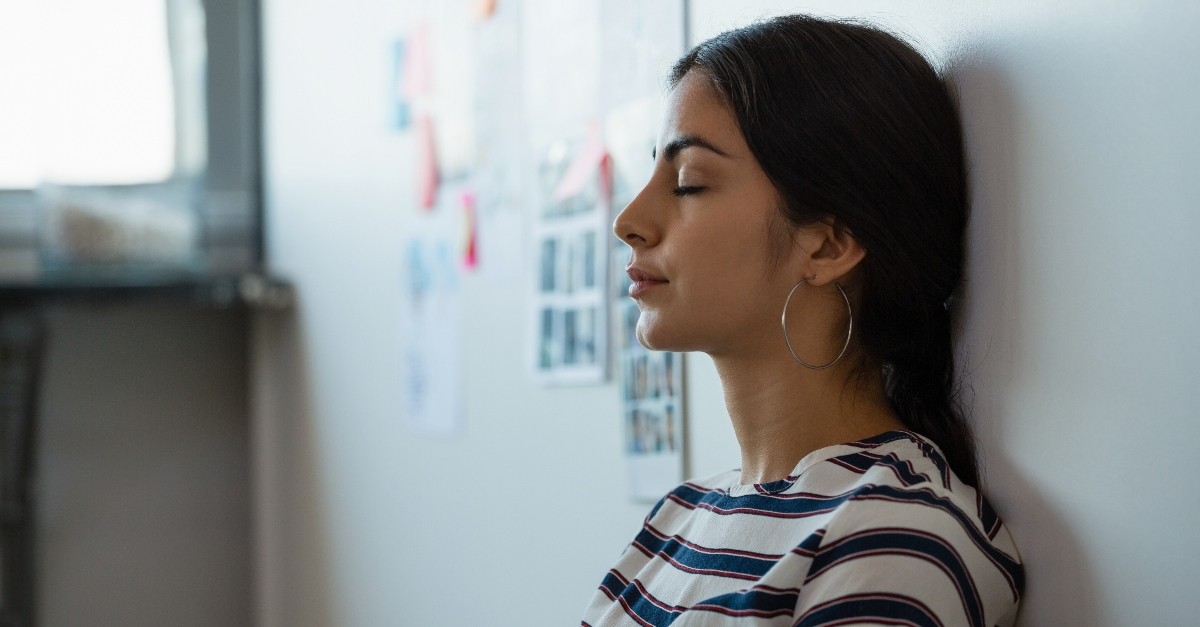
(548, 132)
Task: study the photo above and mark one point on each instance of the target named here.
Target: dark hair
(851, 123)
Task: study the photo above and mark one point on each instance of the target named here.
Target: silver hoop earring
(849, 327)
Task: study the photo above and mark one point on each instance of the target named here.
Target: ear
(830, 252)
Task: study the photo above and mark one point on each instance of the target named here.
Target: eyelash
(686, 190)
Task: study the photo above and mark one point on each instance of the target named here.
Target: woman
(809, 175)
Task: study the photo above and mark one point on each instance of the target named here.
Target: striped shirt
(874, 532)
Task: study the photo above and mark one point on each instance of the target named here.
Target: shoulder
(910, 536)
(897, 468)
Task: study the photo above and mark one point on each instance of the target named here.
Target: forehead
(695, 108)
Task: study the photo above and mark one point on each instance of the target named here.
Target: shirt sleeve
(900, 557)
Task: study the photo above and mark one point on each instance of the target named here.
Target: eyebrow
(675, 146)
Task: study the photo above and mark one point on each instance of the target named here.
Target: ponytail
(920, 382)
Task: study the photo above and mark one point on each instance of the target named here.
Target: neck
(782, 411)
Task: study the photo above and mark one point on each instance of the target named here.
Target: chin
(656, 338)
(643, 339)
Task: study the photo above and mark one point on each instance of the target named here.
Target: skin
(700, 228)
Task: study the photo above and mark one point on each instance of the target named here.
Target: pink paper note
(471, 245)
(427, 168)
(584, 165)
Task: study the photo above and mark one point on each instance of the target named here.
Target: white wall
(1079, 315)
(365, 523)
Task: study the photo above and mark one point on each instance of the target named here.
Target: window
(100, 93)
(134, 119)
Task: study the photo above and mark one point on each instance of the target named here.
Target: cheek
(723, 287)
(731, 225)
(727, 256)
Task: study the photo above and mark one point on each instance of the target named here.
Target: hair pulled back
(852, 123)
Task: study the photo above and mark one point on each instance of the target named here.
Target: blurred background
(309, 315)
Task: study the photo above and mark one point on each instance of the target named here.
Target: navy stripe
(761, 601)
(928, 450)
(904, 470)
(886, 437)
(772, 505)
(857, 462)
(693, 558)
(775, 487)
(638, 605)
(862, 462)
(810, 505)
(888, 609)
(657, 506)
(936, 458)
(987, 515)
(811, 544)
(905, 542)
(1010, 568)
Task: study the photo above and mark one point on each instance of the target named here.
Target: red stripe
(717, 609)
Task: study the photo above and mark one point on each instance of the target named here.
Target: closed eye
(686, 190)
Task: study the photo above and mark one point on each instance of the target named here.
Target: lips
(643, 281)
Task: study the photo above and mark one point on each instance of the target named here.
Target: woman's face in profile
(700, 233)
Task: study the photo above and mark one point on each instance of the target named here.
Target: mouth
(643, 282)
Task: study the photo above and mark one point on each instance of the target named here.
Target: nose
(633, 226)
